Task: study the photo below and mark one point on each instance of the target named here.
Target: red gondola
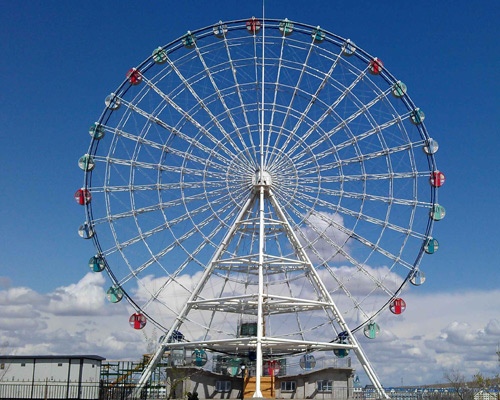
(397, 306)
(375, 66)
(437, 179)
(83, 196)
(137, 321)
(253, 26)
(134, 76)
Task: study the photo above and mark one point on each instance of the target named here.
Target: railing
(93, 391)
(74, 391)
(426, 393)
(39, 390)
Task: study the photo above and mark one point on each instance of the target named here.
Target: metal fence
(48, 391)
(84, 391)
(63, 390)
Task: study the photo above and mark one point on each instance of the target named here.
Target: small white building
(72, 369)
(56, 377)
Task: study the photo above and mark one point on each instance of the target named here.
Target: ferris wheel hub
(262, 179)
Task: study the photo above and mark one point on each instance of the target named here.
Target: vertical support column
(260, 314)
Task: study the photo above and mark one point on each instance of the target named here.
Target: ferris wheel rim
(177, 44)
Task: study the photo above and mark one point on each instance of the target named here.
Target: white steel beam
(250, 342)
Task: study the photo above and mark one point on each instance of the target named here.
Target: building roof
(51, 357)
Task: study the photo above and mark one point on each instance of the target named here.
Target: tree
(489, 387)
(459, 385)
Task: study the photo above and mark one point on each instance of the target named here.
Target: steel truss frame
(262, 304)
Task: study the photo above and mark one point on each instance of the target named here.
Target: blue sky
(60, 60)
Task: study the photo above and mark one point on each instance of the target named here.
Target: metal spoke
(160, 167)
(314, 98)
(157, 207)
(359, 158)
(350, 234)
(250, 159)
(292, 98)
(200, 103)
(158, 186)
(350, 142)
(365, 196)
(242, 103)
(166, 148)
(156, 120)
(340, 250)
(276, 84)
(365, 177)
(362, 109)
(359, 215)
(186, 116)
(168, 225)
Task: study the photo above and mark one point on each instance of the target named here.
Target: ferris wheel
(260, 172)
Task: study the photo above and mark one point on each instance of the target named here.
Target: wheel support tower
(260, 343)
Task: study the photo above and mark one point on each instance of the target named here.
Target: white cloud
(436, 332)
(319, 232)
(19, 311)
(87, 297)
(16, 324)
(72, 319)
(360, 282)
(20, 295)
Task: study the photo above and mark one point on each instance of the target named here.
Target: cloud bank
(438, 331)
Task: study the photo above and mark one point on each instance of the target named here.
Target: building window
(223, 386)
(2, 366)
(23, 364)
(59, 364)
(288, 386)
(324, 386)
